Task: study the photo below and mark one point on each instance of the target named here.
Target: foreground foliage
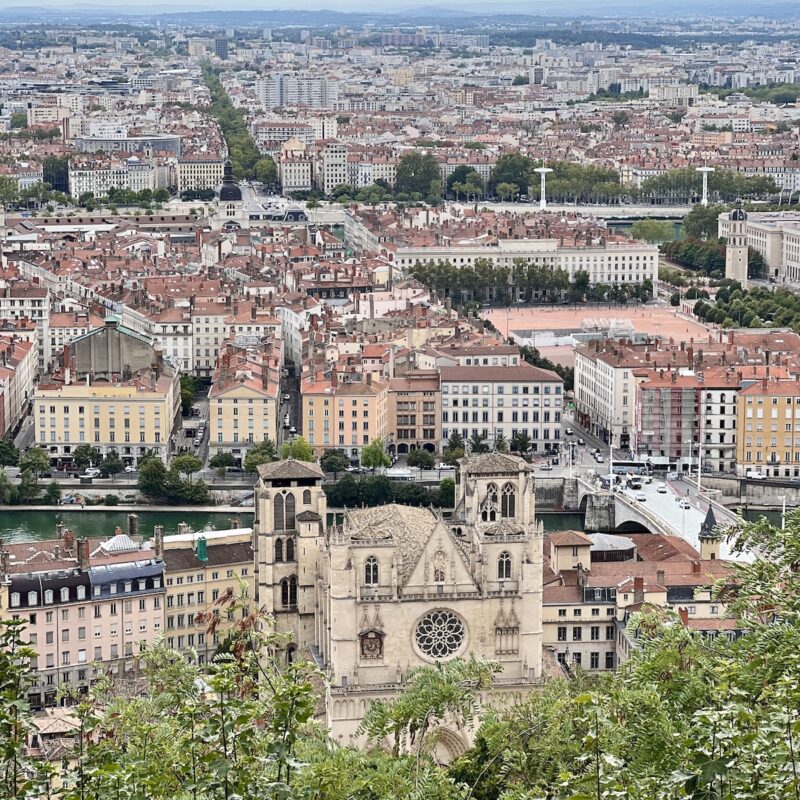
(686, 717)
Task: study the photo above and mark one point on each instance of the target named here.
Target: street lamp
(783, 511)
(542, 199)
(704, 172)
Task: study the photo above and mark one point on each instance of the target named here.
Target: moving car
(581, 441)
(684, 503)
(546, 467)
(91, 472)
(662, 488)
(640, 496)
(568, 431)
(755, 475)
(598, 458)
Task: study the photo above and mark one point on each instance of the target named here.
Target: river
(25, 526)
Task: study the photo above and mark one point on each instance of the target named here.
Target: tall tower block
(736, 248)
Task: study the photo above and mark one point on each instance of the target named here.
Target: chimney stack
(660, 577)
(83, 554)
(158, 539)
(133, 525)
(638, 589)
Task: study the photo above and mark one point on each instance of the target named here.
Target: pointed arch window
(489, 505)
(278, 551)
(371, 575)
(307, 497)
(289, 591)
(290, 520)
(508, 503)
(504, 565)
(290, 556)
(278, 516)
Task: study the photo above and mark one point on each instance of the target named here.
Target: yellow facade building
(210, 582)
(114, 393)
(344, 414)
(244, 400)
(768, 428)
(414, 412)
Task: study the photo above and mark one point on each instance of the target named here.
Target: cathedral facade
(389, 588)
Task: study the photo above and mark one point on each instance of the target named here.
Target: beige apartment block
(344, 414)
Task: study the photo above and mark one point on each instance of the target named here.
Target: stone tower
(736, 248)
(288, 528)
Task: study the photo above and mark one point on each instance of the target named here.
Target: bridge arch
(632, 526)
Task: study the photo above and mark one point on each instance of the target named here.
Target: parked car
(581, 441)
(546, 467)
(598, 458)
(287, 396)
(755, 475)
(91, 472)
(130, 468)
(662, 488)
(568, 431)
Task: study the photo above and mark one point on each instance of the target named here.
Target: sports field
(654, 320)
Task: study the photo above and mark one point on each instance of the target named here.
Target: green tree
(420, 458)
(9, 190)
(28, 487)
(9, 455)
(189, 388)
(520, 80)
(477, 444)
(84, 455)
(620, 119)
(514, 169)
(415, 173)
(111, 464)
(260, 453)
(501, 443)
(334, 461)
(221, 461)
(298, 449)
(651, 230)
(675, 299)
(52, 494)
(521, 442)
(265, 171)
(152, 481)
(19, 119)
(35, 460)
(702, 221)
(374, 455)
(447, 493)
(187, 464)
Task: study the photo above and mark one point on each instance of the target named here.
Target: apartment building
(331, 167)
(202, 570)
(347, 414)
(114, 392)
(208, 333)
(97, 178)
(594, 583)
(296, 171)
(195, 172)
(29, 301)
(244, 399)
(490, 401)
(414, 412)
(768, 428)
(17, 375)
(608, 263)
(90, 605)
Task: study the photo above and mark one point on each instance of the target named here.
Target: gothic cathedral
(389, 588)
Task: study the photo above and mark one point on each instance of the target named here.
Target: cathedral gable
(441, 562)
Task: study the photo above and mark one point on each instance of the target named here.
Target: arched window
(293, 590)
(15, 599)
(278, 550)
(285, 592)
(509, 501)
(307, 497)
(290, 556)
(371, 571)
(64, 594)
(278, 515)
(290, 523)
(48, 595)
(33, 599)
(504, 565)
(489, 505)
(81, 593)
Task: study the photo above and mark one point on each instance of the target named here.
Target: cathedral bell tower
(736, 248)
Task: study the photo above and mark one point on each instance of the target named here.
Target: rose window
(439, 634)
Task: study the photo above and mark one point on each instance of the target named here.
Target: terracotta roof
(289, 469)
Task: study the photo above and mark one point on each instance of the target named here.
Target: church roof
(308, 516)
(489, 463)
(229, 191)
(289, 469)
(407, 527)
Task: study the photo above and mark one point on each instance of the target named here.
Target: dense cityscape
(399, 402)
